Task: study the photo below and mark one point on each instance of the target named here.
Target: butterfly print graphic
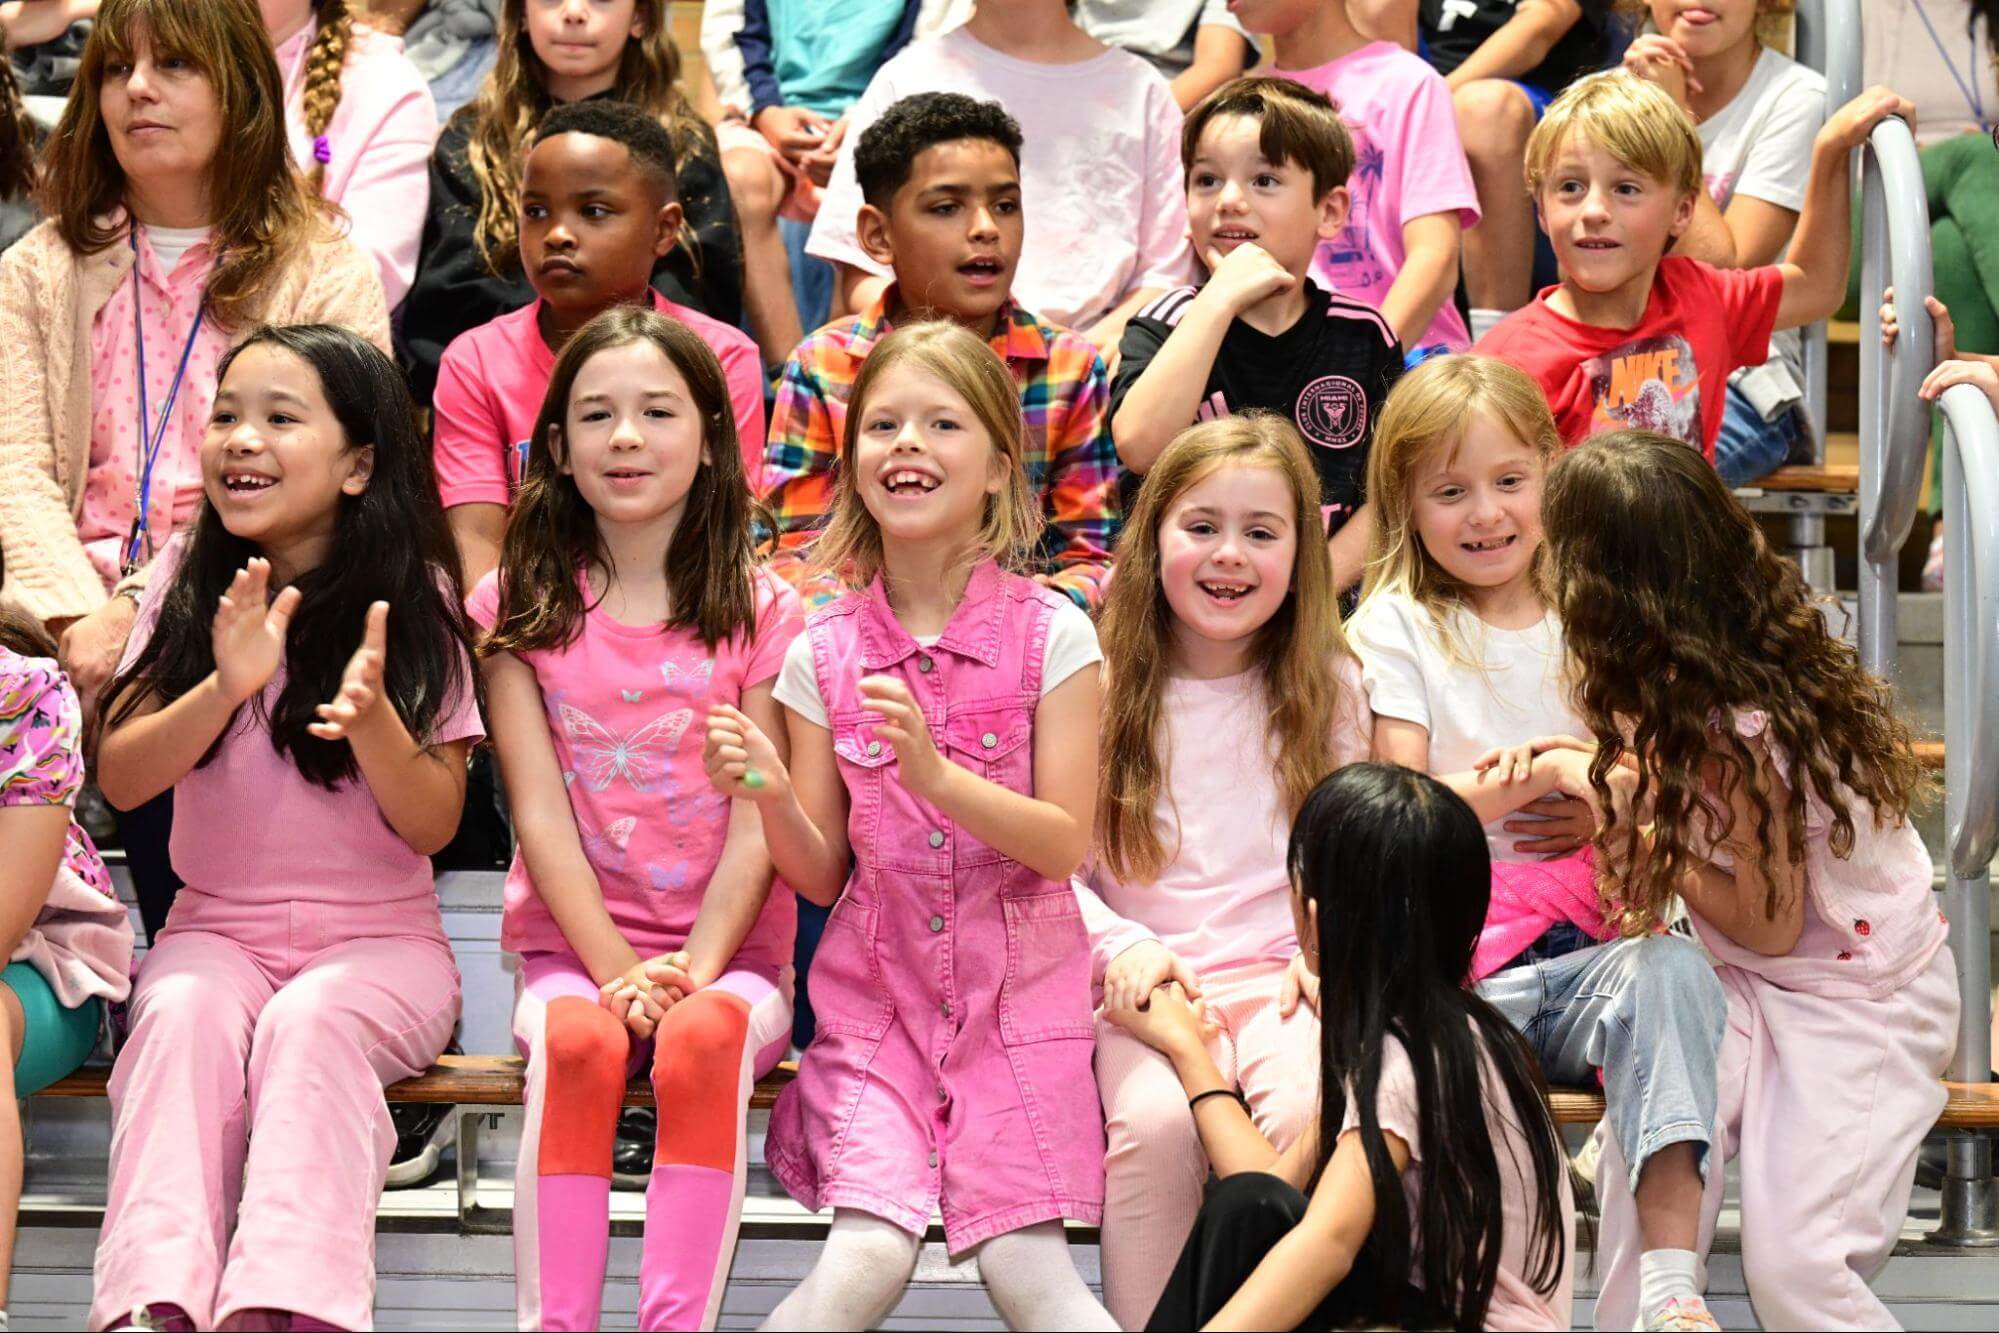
(668, 879)
(639, 758)
(607, 849)
(685, 681)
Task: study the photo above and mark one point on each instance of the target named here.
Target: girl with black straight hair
(1433, 1192)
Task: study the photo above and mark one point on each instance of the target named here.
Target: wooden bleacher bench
(495, 1080)
(1827, 478)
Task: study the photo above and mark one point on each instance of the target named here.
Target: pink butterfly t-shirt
(626, 710)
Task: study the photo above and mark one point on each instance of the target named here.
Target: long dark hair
(552, 530)
(1676, 612)
(1397, 864)
(390, 544)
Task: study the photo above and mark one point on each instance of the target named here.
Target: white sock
(1034, 1285)
(1665, 1275)
(860, 1275)
(1482, 320)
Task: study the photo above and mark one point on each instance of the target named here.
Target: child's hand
(671, 976)
(1979, 374)
(903, 726)
(1663, 61)
(1848, 127)
(1552, 826)
(792, 130)
(1245, 276)
(1169, 1022)
(1142, 969)
(1514, 763)
(740, 759)
(1945, 331)
(1572, 780)
(360, 684)
(635, 1001)
(1300, 983)
(248, 637)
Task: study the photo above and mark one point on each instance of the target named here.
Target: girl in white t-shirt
(1462, 657)
(1438, 1193)
(1230, 693)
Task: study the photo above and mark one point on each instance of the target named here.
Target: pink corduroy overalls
(951, 1069)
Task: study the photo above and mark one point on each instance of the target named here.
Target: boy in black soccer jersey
(1267, 162)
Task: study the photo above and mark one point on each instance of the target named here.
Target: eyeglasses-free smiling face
(1477, 507)
(1236, 196)
(1227, 546)
(275, 461)
(1609, 223)
(924, 466)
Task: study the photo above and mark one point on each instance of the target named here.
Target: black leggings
(1243, 1219)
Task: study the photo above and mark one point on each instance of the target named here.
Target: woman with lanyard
(177, 223)
(1941, 54)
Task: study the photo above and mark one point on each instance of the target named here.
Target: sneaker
(156, 1318)
(1933, 563)
(631, 1155)
(423, 1132)
(1683, 1316)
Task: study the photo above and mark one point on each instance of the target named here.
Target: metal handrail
(1970, 1203)
(1827, 39)
(1894, 422)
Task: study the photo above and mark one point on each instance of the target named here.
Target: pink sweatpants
(1154, 1169)
(249, 1137)
(1824, 1103)
(707, 1053)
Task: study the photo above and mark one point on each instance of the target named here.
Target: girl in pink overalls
(943, 735)
(639, 900)
(1778, 779)
(316, 745)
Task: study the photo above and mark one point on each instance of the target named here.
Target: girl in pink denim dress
(1776, 782)
(942, 732)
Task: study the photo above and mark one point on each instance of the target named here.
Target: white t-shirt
(1101, 190)
(1760, 145)
(1160, 30)
(1515, 1304)
(1520, 693)
(170, 243)
(1071, 646)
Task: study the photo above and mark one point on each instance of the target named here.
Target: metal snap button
(874, 747)
(936, 924)
(925, 665)
(936, 837)
(989, 740)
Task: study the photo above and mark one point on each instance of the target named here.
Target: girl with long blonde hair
(938, 793)
(1462, 655)
(551, 52)
(1229, 695)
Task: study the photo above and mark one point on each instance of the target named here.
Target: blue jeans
(1648, 1013)
(1747, 447)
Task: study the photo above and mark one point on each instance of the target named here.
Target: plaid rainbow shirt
(1071, 463)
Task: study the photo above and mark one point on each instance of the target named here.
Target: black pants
(145, 832)
(1243, 1219)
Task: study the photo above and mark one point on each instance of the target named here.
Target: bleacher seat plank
(1831, 478)
(1930, 753)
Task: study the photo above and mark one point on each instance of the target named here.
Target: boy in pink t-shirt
(1411, 190)
(1631, 336)
(598, 209)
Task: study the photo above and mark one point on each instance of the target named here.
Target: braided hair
(323, 66)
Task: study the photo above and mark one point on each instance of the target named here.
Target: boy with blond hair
(1633, 336)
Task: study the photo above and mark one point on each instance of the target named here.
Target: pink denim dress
(951, 1069)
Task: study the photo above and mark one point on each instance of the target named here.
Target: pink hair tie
(322, 151)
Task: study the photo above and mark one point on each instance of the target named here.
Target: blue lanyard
(1970, 90)
(140, 537)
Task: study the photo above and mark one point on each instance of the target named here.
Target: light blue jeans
(1646, 1012)
(1747, 448)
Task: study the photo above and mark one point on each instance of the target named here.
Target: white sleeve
(1779, 157)
(721, 20)
(1072, 645)
(835, 234)
(1383, 635)
(797, 685)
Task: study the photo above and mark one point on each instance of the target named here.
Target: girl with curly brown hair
(1774, 783)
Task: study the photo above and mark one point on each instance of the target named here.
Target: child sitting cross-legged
(1267, 162)
(941, 176)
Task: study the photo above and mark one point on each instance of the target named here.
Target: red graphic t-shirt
(1669, 373)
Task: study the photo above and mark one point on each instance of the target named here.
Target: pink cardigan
(49, 295)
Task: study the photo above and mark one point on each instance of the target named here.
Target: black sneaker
(631, 1154)
(423, 1132)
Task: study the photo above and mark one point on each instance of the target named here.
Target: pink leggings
(578, 1058)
